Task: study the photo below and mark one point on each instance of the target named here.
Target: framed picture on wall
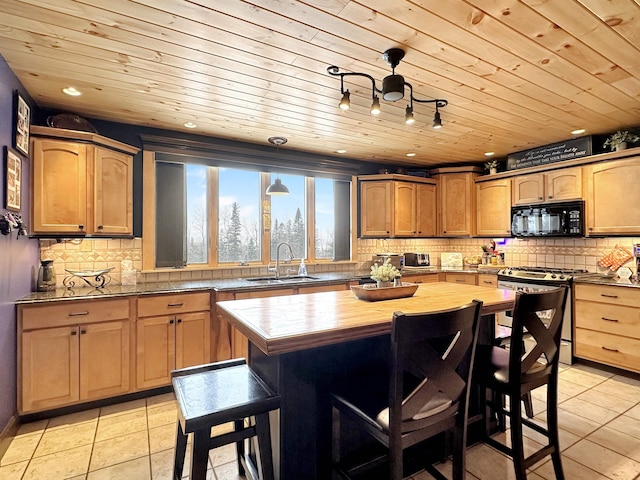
(23, 121)
(13, 175)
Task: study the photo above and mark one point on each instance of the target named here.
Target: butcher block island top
(296, 322)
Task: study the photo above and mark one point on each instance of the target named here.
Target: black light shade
(437, 121)
(408, 116)
(345, 103)
(393, 88)
(277, 188)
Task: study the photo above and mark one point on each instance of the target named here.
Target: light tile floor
(599, 419)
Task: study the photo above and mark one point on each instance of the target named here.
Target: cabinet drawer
(609, 349)
(467, 279)
(487, 280)
(608, 294)
(602, 317)
(73, 313)
(173, 303)
(428, 278)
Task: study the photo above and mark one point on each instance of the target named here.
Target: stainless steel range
(537, 279)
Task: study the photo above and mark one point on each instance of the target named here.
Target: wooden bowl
(384, 293)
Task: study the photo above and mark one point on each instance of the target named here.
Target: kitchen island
(302, 344)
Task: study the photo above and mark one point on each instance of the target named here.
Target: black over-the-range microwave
(548, 220)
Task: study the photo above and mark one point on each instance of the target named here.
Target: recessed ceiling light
(578, 131)
(342, 150)
(74, 92)
(411, 154)
(190, 125)
(489, 154)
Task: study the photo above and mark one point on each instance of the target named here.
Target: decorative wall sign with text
(555, 152)
(13, 174)
(23, 122)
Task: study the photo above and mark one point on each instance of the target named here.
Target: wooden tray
(384, 293)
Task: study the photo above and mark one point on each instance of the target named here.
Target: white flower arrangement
(385, 272)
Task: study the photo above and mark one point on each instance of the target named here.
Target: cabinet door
(610, 208)
(112, 192)
(192, 339)
(404, 209)
(49, 368)
(59, 202)
(375, 209)
(528, 189)
(104, 359)
(457, 206)
(564, 184)
(155, 355)
(493, 215)
(426, 208)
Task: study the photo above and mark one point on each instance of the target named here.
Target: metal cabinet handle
(80, 227)
(459, 280)
(539, 198)
(550, 196)
(170, 322)
(487, 281)
(179, 320)
(172, 305)
(609, 319)
(608, 296)
(78, 314)
(74, 332)
(100, 227)
(83, 331)
(610, 349)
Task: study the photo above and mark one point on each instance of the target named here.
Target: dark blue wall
(18, 257)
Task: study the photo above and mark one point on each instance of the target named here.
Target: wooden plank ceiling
(517, 73)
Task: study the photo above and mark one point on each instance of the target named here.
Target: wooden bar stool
(218, 393)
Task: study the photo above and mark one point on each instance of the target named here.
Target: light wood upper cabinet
(555, 185)
(427, 209)
(457, 205)
(392, 208)
(375, 209)
(80, 187)
(609, 201)
(493, 214)
(112, 192)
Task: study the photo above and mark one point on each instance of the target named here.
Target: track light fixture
(392, 89)
(277, 187)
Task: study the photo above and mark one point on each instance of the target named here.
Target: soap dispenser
(302, 269)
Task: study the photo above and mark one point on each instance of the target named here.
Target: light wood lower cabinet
(464, 278)
(72, 352)
(487, 280)
(172, 331)
(607, 325)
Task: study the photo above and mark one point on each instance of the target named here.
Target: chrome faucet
(276, 269)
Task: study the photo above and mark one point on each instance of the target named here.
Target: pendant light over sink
(277, 187)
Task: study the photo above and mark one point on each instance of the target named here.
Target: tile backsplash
(95, 254)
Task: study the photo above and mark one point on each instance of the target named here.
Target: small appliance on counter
(397, 260)
(416, 259)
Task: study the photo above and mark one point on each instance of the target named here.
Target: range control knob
(553, 275)
(510, 272)
(561, 277)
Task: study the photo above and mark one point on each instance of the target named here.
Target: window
(288, 217)
(239, 228)
(325, 218)
(197, 215)
(216, 215)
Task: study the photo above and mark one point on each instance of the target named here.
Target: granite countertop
(611, 280)
(218, 285)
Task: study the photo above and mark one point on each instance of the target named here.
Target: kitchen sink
(287, 278)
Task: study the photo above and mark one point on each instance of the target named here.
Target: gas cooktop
(541, 273)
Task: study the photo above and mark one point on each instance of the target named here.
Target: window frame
(149, 218)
